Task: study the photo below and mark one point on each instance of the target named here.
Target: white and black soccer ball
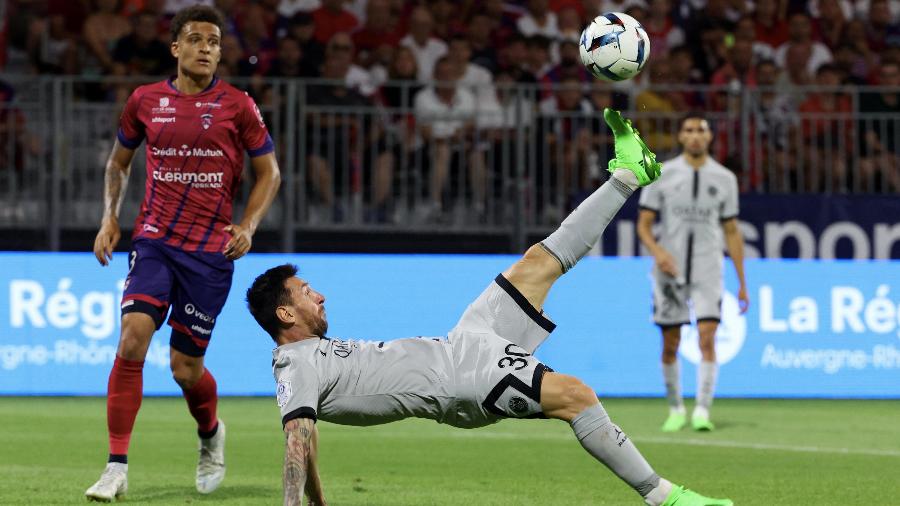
(614, 47)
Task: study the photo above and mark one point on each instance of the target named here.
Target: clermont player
(184, 241)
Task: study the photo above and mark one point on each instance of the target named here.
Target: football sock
(706, 384)
(201, 400)
(672, 377)
(123, 400)
(582, 228)
(607, 443)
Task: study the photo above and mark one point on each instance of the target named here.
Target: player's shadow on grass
(239, 494)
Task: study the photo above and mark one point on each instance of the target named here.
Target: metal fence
(512, 160)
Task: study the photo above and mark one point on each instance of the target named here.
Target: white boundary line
(692, 442)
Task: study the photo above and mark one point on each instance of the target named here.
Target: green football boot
(675, 422)
(680, 496)
(631, 152)
(701, 423)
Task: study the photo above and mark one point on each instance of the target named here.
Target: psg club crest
(206, 120)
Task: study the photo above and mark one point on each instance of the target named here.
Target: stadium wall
(816, 328)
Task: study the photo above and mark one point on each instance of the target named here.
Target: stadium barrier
(814, 328)
(513, 165)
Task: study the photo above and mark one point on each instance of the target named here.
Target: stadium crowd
(389, 53)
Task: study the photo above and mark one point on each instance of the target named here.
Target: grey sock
(706, 383)
(582, 228)
(608, 444)
(672, 377)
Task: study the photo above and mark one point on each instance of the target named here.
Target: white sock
(659, 494)
(706, 385)
(672, 377)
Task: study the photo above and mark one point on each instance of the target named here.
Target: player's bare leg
(707, 371)
(567, 398)
(671, 337)
(123, 400)
(199, 389)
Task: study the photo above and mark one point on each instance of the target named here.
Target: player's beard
(319, 326)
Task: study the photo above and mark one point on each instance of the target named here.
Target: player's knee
(137, 330)
(578, 397)
(536, 264)
(185, 374)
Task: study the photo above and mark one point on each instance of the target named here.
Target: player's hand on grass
(666, 263)
(240, 242)
(106, 240)
(743, 299)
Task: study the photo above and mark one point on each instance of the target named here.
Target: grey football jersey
(691, 205)
(364, 382)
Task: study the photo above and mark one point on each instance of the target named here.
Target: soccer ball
(614, 47)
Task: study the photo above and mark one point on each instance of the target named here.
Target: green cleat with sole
(631, 152)
(680, 496)
(675, 422)
(702, 423)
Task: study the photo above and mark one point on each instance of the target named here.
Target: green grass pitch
(786, 452)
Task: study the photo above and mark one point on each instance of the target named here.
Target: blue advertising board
(814, 328)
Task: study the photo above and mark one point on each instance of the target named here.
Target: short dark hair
(196, 13)
(691, 115)
(267, 292)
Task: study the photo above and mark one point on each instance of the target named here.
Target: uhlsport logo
(730, 335)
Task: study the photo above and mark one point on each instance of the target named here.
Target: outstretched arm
(734, 241)
(268, 179)
(300, 469)
(118, 167)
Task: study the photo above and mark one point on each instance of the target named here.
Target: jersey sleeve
(297, 388)
(254, 134)
(131, 130)
(730, 204)
(651, 198)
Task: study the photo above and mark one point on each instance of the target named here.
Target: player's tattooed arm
(118, 167)
(314, 490)
(298, 447)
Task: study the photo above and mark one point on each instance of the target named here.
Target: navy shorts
(194, 283)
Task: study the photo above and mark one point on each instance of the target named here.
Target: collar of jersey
(171, 82)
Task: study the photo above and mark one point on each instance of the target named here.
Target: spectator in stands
(831, 23)
(446, 16)
(775, 114)
(232, 62)
(745, 30)
(827, 132)
(474, 77)
(142, 53)
(538, 56)
(569, 62)
(101, 31)
(336, 133)
(879, 128)
(770, 25)
(289, 8)
(598, 7)
(380, 33)
(661, 28)
(570, 24)
(796, 68)
(259, 48)
(660, 108)
(683, 72)
(800, 34)
(711, 52)
(484, 52)
(538, 20)
(513, 57)
(339, 53)
(565, 131)
(301, 28)
(51, 48)
(881, 24)
(289, 59)
(738, 70)
(332, 18)
(427, 48)
(856, 37)
(445, 116)
(230, 10)
(851, 65)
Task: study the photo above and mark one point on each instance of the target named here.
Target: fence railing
(503, 159)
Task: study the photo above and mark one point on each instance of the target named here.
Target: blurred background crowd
(439, 102)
